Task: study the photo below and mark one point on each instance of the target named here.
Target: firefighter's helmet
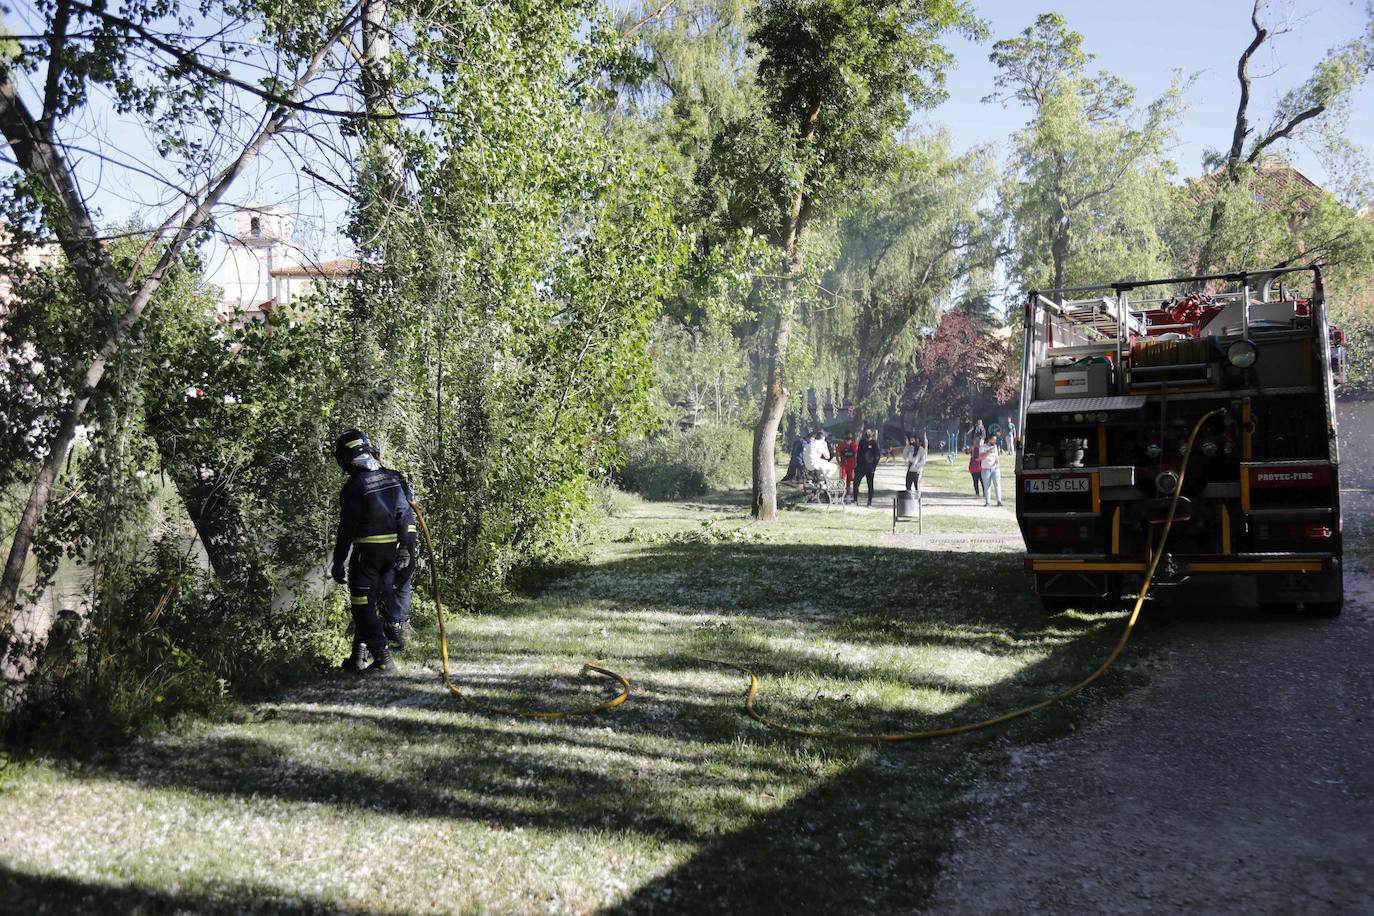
(351, 446)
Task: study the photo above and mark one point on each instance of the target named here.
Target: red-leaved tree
(963, 370)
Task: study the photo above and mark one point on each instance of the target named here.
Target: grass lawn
(391, 796)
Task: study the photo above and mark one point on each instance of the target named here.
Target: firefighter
(376, 538)
(395, 612)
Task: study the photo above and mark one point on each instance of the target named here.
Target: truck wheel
(1325, 608)
(1110, 601)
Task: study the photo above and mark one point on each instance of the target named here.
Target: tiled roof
(330, 270)
(1277, 185)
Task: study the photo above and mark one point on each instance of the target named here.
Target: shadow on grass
(839, 579)
(780, 824)
(676, 764)
(34, 895)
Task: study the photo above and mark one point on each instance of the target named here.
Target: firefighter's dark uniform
(375, 521)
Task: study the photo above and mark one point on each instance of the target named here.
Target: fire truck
(1114, 381)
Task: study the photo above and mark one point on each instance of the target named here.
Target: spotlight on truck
(1242, 354)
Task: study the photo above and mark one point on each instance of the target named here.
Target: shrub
(610, 501)
(159, 642)
(685, 464)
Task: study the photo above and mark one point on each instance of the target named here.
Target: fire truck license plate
(1062, 485)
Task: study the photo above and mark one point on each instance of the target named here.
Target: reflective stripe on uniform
(360, 599)
(411, 529)
(376, 539)
(355, 442)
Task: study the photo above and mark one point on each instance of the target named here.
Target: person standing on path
(991, 473)
(915, 457)
(848, 453)
(866, 463)
(796, 468)
(975, 467)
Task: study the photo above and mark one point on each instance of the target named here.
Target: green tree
(835, 80)
(1089, 183)
(1318, 108)
(696, 75)
(506, 313)
(148, 62)
(907, 241)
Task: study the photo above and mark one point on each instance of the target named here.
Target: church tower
(261, 245)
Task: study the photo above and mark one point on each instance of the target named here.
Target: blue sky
(1144, 42)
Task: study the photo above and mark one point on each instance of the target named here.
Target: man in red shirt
(848, 453)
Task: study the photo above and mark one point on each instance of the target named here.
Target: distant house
(267, 268)
(15, 260)
(1277, 185)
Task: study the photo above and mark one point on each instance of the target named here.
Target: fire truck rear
(1113, 381)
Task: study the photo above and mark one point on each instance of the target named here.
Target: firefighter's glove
(338, 574)
(403, 558)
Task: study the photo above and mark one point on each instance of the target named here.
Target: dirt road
(1239, 780)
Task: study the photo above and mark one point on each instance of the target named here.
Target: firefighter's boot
(381, 661)
(397, 633)
(357, 660)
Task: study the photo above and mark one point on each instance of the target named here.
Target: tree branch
(193, 62)
(52, 88)
(1284, 131)
(663, 8)
(1242, 128)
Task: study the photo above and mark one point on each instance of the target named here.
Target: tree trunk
(764, 504)
(1230, 173)
(375, 70)
(1059, 249)
(863, 381)
(205, 494)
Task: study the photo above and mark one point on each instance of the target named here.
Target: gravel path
(1240, 780)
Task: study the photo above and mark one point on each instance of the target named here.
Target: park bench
(818, 488)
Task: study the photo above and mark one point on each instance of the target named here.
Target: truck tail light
(1292, 531)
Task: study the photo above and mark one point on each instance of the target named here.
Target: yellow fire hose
(1015, 713)
(592, 666)
(752, 696)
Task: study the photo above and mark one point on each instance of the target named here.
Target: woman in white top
(915, 456)
(992, 475)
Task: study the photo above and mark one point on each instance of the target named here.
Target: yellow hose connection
(594, 666)
(1015, 713)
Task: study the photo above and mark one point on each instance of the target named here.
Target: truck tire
(1112, 600)
(1325, 608)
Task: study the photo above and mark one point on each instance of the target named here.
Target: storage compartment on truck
(1078, 380)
